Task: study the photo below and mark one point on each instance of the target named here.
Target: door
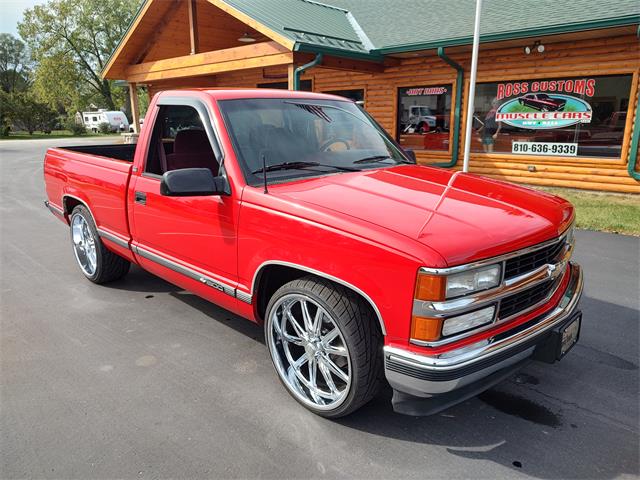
(194, 236)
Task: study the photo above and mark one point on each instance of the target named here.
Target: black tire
(109, 266)
(360, 330)
(423, 127)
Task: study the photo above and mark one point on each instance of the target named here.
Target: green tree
(30, 115)
(57, 82)
(14, 64)
(81, 32)
(6, 112)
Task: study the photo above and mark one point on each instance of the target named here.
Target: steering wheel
(325, 146)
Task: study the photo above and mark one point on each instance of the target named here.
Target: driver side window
(179, 140)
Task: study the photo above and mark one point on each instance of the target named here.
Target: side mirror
(192, 182)
(411, 154)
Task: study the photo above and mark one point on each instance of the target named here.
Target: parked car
(360, 264)
(543, 102)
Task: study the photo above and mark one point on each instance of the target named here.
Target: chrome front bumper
(475, 367)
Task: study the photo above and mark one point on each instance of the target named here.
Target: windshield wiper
(302, 166)
(379, 158)
(373, 159)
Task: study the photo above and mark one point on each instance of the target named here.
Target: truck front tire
(325, 345)
(96, 262)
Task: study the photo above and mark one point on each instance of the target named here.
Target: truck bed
(96, 175)
(119, 152)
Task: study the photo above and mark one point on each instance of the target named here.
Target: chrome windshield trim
(498, 259)
(479, 351)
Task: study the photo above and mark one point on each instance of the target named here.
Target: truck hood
(463, 217)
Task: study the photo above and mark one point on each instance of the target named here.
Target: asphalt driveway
(140, 379)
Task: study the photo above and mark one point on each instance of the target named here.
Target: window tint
(179, 140)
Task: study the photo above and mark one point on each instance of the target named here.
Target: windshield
(298, 138)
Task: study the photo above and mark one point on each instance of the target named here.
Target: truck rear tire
(96, 262)
(325, 344)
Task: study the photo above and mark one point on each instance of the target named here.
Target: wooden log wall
(616, 54)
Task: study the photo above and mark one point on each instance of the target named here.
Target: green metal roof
(398, 25)
(373, 28)
(306, 22)
(377, 27)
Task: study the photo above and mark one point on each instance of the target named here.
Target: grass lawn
(54, 134)
(607, 212)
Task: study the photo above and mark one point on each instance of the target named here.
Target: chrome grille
(530, 261)
(518, 302)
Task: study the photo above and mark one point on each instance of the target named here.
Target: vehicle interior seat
(191, 149)
(279, 143)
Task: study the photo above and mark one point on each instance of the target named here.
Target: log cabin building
(556, 100)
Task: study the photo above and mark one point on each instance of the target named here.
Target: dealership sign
(425, 91)
(544, 111)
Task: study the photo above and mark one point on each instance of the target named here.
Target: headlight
(571, 235)
(473, 281)
(437, 288)
(468, 321)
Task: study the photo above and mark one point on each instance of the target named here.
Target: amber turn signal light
(430, 287)
(426, 329)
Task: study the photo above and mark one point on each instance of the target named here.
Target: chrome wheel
(84, 245)
(309, 352)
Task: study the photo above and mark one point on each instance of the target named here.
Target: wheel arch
(69, 202)
(271, 275)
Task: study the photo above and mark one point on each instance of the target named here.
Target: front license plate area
(569, 335)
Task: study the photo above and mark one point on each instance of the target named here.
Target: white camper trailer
(116, 119)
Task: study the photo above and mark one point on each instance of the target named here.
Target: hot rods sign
(538, 106)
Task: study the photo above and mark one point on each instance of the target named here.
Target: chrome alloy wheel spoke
(309, 351)
(84, 245)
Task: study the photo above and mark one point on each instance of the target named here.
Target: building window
(355, 95)
(424, 114)
(580, 116)
(305, 85)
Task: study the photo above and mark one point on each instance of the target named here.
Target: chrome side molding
(193, 274)
(114, 238)
(54, 208)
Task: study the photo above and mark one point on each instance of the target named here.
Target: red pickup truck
(297, 211)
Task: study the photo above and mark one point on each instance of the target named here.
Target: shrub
(74, 127)
(104, 127)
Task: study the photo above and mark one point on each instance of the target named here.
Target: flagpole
(472, 88)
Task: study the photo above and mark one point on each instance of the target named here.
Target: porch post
(290, 76)
(135, 107)
(193, 26)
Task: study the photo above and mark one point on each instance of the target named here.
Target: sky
(11, 14)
